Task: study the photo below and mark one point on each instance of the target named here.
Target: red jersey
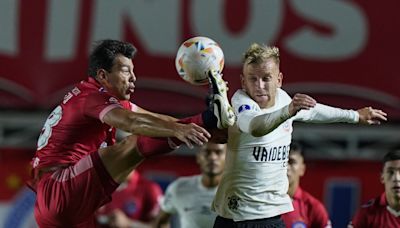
(376, 213)
(137, 198)
(75, 128)
(308, 212)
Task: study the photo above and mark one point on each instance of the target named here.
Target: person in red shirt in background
(384, 210)
(135, 203)
(308, 211)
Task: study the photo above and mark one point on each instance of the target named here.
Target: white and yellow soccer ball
(196, 57)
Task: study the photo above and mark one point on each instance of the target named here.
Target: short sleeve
(245, 109)
(98, 104)
(168, 201)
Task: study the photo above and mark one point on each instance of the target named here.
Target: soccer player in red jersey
(384, 210)
(308, 211)
(78, 165)
(135, 203)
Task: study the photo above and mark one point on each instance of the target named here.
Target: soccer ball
(196, 56)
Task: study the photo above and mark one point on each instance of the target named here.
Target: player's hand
(192, 134)
(299, 102)
(118, 219)
(369, 115)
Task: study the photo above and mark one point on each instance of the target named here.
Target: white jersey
(254, 183)
(191, 201)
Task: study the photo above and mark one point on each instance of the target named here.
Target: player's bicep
(118, 118)
(160, 116)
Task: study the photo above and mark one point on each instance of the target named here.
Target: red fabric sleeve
(98, 104)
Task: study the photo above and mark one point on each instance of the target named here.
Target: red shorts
(70, 196)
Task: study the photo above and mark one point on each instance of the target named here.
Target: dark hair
(104, 53)
(297, 147)
(391, 156)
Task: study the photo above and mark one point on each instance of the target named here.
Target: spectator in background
(384, 210)
(308, 211)
(135, 203)
(190, 197)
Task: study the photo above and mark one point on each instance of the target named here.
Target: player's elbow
(258, 129)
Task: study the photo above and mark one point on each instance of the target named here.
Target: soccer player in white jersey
(190, 197)
(254, 185)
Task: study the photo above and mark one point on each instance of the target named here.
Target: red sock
(149, 146)
(197, 119)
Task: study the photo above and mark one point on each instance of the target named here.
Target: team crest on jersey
(299, 224)
(243, 108)
(233, 203)
(286, 126)
(113, 100)
(130, 207)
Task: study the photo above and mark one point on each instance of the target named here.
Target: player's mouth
(396, 189)
(261, 95)
(130, 90)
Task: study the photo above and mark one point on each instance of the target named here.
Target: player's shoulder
(311, 200)
(143, 181)
(241, 102)
(371, 204)
(184, 183)
(239, 95)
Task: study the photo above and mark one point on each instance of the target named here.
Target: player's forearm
(148, 125)
(326, 114)
(265, 123)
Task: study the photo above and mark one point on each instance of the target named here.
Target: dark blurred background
(342, 52)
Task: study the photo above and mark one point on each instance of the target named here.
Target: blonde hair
(259, 53)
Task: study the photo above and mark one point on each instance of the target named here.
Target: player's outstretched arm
(301, 101)
(158, 115)
(150, 125)
(265, 123)
(370, 116)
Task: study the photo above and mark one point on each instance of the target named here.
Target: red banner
(343, 53)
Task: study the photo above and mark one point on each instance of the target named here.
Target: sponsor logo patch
(243, 108)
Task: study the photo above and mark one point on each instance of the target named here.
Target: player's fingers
(204, 132)
(185, 140)
(374, 122)
(201, 138)
(189, 144)
(197, 141)
(379, 116)
(201, 130)
(380, 112)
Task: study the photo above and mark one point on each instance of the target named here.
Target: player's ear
(302, 170)
(242, 81)
(280, 79)
(101, 76)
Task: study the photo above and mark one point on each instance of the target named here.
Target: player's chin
(126, 96)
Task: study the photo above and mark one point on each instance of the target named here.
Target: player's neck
(292, 189)
(210, 181)
(394, 203)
